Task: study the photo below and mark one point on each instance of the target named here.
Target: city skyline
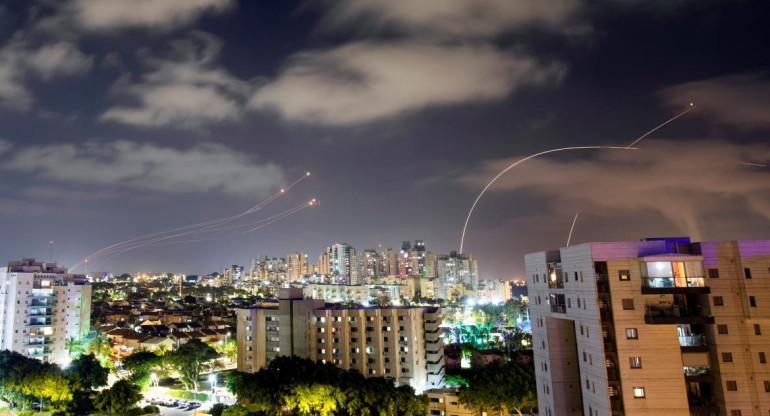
(115, 124)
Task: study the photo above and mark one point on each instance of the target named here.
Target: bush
(217, 409)
(134, 411)
(151, 409)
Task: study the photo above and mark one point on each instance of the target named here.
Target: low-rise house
(153, 343)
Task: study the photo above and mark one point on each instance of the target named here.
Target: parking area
(170, 406)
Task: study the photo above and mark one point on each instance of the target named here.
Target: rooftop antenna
(50, 244)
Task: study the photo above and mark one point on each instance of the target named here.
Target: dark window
(762, 359)
(732, 385)
(628, 304)
(631, 333)
(735, 413)
(714, 273)
(624, 274)
(747, 273)
(767, 386)
(757, 330)
(752, 301)
(722, 329)
(727, 357)
(718, 301)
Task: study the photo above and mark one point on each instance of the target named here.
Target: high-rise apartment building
(369, 266)
(42, 307)
(389, 262)
(343, 264)
(456, 269)
(296, 266)
(399, 342)
(659, 326)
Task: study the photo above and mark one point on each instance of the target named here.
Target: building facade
(42, 307)
(399, 342)
(659, 326)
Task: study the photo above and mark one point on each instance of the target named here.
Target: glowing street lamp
(213, 381)
(154, 379)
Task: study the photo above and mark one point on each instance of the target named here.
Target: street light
(154, 379)
(213, 381)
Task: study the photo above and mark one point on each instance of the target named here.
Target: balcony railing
(678, 315)
(697, 340)
(559, 308)
(697, 371)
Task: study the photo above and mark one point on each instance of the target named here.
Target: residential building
(399, 342)
(658, 326)
(42, 306)
(454, 269)
(343, 264)
(296, 266)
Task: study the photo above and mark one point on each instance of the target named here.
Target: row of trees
(306, 388)
(501, 385)
(24, 381)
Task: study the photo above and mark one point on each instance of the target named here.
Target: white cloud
(58, 59)
(364, 81)
(480, 18)
(683, 182)
(5, 146)
(186, 92)
(159, 15)
(19, 62)
(204, 167)
(742, 100)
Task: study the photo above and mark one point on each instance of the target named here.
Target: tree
(72, 344)
(217, 409)
(501, 385)
(87, 371)
(191, 360)
(140, 364)
(119, 398)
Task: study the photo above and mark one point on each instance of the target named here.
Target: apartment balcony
(38, 324)
(693, 343)
(677, 315)
(559, 308)
(671, 285)
(702, 405)
(40, 314)
(38, 343)
(697, 374)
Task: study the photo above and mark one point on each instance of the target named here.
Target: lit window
(632, 333)
(635, 362)
(639, 392)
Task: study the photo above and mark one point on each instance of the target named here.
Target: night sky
(120, 118)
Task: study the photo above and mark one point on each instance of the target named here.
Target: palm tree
(73, 344)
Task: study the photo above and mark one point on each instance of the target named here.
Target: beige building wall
(649, 346)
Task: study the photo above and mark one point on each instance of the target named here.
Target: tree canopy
(119, 398)
(314, 388)
(190, 360)
(501, 385)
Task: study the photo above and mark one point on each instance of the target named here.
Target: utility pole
(180, 285)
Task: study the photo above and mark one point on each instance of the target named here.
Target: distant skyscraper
(296, 266)
(369, 264)
(343, 264)
(234, 274)
(456, 269)
(42, 307)
(389, 262)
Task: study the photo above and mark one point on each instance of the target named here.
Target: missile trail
(520, 161)
(158, 236)
(569, 237)
(155, 241)
(265, 222)
(690, 108)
